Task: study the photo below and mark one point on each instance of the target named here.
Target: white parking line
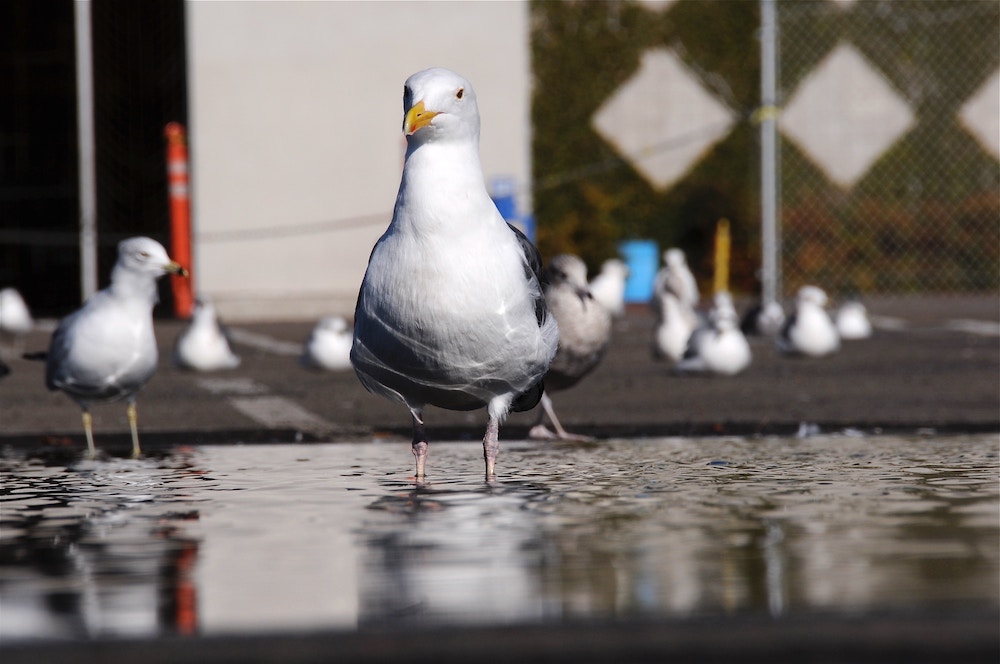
(263, 342)
(273, 411)
(224, 386)
(254, 399)
(888, 323)
(982, 327)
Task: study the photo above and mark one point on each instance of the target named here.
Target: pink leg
(491, 446)
(419, 442)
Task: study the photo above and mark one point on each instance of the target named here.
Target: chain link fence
(889, 174)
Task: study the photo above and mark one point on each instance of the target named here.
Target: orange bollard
(180, 217)
(722, 250)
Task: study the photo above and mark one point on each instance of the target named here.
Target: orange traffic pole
(180, 217)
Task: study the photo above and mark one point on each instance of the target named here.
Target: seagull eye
(460, 93)
(144, 254)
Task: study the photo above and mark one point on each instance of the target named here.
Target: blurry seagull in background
(584, 335)
(719, 346)
(674, 326)
(809, 330)
(15, 318)
(675, 277)
(203, 345)
(766, 319)
(106, 350)
(329, 345)
(451, 312)
(852, 320)
(608, 287)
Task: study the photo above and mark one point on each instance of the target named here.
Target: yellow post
(722, 244)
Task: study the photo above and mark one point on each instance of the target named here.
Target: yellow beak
(175, 268)
(417, 118)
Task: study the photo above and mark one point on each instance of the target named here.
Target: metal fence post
(86, 157)
(768, 115)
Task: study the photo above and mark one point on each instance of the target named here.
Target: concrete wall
(296, 146)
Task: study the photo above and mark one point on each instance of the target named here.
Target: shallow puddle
(221, 539)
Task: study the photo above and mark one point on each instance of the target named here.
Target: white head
(568, 269)
(725, 318)
(204, 313)
(724, 314)
(614, 266)
(812, 295)
(438, 104)
(335, 324)
(674, 258)
(143, 255)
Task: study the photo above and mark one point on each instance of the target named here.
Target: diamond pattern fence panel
(889, 173)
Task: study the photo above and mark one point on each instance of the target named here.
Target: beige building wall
(296, 145)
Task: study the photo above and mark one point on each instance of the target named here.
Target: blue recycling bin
(502, 191)
(643, 260)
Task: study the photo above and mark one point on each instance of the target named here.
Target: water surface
(220, 539)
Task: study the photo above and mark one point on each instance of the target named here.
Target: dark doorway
(139, 85)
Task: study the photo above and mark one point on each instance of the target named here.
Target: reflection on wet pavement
(291, 537)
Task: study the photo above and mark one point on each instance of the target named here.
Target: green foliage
(587, 198)
(926, 215)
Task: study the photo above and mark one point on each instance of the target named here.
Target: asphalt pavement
(932, 366)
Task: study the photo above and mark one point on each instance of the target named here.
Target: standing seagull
(584, 334)
(675, 277)
(450, 312)
(608, 287)
(203, 346)
(106, 350)
(809, 330)
(674, 326)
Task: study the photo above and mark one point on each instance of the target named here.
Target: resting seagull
(809, 330)
(329, 345)
(584, 334)
(15, 317)
(450, 311)
(719, 346)
(203, 346)
(106, 350)
(852, 320)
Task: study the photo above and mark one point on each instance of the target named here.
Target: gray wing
(533, 268)
(58, 351)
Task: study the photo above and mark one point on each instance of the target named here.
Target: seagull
(809, 330)
(15, 318)
(852, 321)
(584, 334)
(719, 347)
(675, 277)
(674, 326)
(763, 318)
(451, 311)
(608, 287)
(203, 345)
(106, 350)
(329, 345)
